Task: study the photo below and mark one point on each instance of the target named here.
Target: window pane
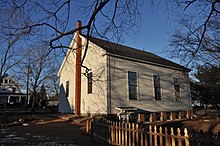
(13, 89)
(157, 88)
(132, 85)
(67, 88)
(89, 82)
(176, 88)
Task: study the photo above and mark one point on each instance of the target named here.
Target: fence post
(153, 117)
(189, 114)
(141, 118)
(186, 137)
(87, 126)
(180, 115)
(173, 114)
(163, 116)
(170, 116)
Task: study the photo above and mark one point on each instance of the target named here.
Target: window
(13, 89)
(67, 88)
(132, 85)
(89, 77)
(6, 81)
(157, 88)
(12, 99)
(176, 88)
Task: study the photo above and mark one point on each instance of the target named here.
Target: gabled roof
(132, 53)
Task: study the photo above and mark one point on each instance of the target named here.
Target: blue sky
(156, 24)
(156, 27)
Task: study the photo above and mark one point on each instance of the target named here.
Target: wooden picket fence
(131, 134)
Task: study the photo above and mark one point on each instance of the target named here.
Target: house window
(157, 88)
(6, 81)
(12, 99)
(89, 77)
(176, 89)
(67, 88)
(132, 85)
(13, 89)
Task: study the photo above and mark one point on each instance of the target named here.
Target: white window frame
(175, 99)
(161, 88)
(138, 92)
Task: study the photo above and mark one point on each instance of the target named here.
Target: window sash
(176, 88)
(89, 78)
(157, 87)
(132, 85)
(67, 88)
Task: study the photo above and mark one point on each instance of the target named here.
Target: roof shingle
(125, 51)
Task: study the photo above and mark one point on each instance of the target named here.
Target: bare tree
(58, 17)
(52, 85)
(11, 48)
(197, 41)
(42, 67)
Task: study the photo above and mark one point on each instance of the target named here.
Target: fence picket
(133, 134)
(155, 135)
(146, 138)
(116, 132)
(141, 137)
(179, 137)
(137, 135)
(127, 134)
(150, 135)
(161, 136)
(123, 133)
(172, 137)
(167, 140)
(113, 135)
(186, 137)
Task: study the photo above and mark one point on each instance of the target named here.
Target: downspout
(78, 69)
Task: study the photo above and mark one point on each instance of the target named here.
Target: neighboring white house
(121, 77)
(10, 91)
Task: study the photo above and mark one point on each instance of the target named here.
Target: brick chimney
(78, 69)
